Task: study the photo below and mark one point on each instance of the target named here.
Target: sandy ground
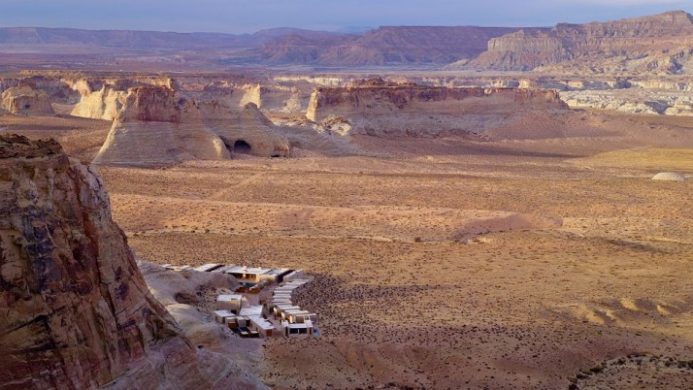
(443, 263)
(475, 270)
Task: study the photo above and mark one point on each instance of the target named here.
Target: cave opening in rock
(241, 146)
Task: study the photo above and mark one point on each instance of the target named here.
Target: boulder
(669, 176)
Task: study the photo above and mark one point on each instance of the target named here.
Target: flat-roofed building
(289, 329)
(257, 274)
(284, 312)
(177, 267)
(274, 303)
(277, 310)
(281, 298)
(275, 275)
(297, 274)
(262, 325)
(231, 302)
(247, 273)
(223, 269)
(299, 316)
(208, 267)
(251, 311)
(220, 316)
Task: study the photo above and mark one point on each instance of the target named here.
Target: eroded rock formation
(378, 108)
(24, 100)
(76, 312)
(104, 103)
(251, 127)
(158, 125)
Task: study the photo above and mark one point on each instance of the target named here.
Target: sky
(240, 16)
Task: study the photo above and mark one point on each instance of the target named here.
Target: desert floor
(468, 270)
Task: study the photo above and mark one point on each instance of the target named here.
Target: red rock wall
(75, 311)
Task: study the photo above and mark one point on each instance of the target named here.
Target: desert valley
(465, 208)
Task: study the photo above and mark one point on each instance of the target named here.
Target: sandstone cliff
(661, 44)
(104, 103)
(76, 312)
(149, 130)
(160, 126)
(378, 108)
(249, 131)
(24, 100)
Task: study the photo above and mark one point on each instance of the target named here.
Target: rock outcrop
(659, 44)
(156, 127)
(249, 131)
(160, 126)
(105, 98)
(76, 312)
(159, 144)
(24, 100)
(379, 108)
(104, 103)
(632, 101)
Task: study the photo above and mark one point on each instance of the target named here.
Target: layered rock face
(378, 108)
(150, 130)
(160, 126)
(656, 44)
(106, 98)
(104, 103)
(252, 128)
(24, 100)
(76, 312)
(633, 101)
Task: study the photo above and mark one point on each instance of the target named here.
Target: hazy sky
(250, 15)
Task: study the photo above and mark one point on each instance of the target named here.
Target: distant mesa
(669, 176)
(392, 45)
(659, 44)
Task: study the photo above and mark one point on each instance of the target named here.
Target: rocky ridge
(76, 310)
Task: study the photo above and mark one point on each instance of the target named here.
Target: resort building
(208, 267)
(289, 329)
(277, 312)
(230, 302)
